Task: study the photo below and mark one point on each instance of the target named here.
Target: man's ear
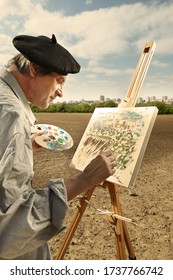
(32, 69)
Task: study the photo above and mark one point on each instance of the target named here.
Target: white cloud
(158, 86)
(5, 43)
(110, 30)
(117, 31)
(160, 64)
(88, 2)
(95, 33)
(15, 8)
(109, 72)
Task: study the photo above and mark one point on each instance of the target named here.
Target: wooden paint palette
(53, 138)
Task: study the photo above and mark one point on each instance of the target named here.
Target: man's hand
(100, 168)
(95, 173)
(36, 146)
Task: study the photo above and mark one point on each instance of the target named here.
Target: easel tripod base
(124, 247)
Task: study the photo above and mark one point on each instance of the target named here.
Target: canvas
(124, 131)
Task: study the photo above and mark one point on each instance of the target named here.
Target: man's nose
(59, 92)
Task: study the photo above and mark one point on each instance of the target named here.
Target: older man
(30, 217)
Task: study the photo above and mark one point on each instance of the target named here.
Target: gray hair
(21, 63)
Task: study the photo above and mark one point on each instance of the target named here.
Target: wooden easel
(122, 238)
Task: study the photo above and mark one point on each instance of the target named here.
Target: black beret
(46, 52)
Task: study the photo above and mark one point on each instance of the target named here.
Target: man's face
(44, 89)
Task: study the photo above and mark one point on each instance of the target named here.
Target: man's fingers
(107, 153)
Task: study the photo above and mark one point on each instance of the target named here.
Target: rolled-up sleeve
(33, 218)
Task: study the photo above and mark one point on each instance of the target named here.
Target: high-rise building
(140, 100)
(102, 98)
(152, 98)
(165, 98)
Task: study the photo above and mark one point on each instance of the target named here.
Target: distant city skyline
(102, 98)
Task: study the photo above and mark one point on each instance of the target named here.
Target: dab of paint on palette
(53, 137)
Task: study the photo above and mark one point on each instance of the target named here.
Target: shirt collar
(15, 87)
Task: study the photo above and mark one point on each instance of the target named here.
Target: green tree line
(89, 107)
(162, 106)
(74, 107)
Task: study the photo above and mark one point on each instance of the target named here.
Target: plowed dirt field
(149, 204)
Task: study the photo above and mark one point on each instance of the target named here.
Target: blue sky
(105, 36)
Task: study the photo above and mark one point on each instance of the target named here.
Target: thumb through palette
(53, 137)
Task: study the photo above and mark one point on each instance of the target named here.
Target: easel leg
(70, 232)
(120, 228)
(122, 239)
(118, 224)
(129, 246)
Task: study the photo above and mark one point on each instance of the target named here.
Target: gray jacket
(28, 217)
